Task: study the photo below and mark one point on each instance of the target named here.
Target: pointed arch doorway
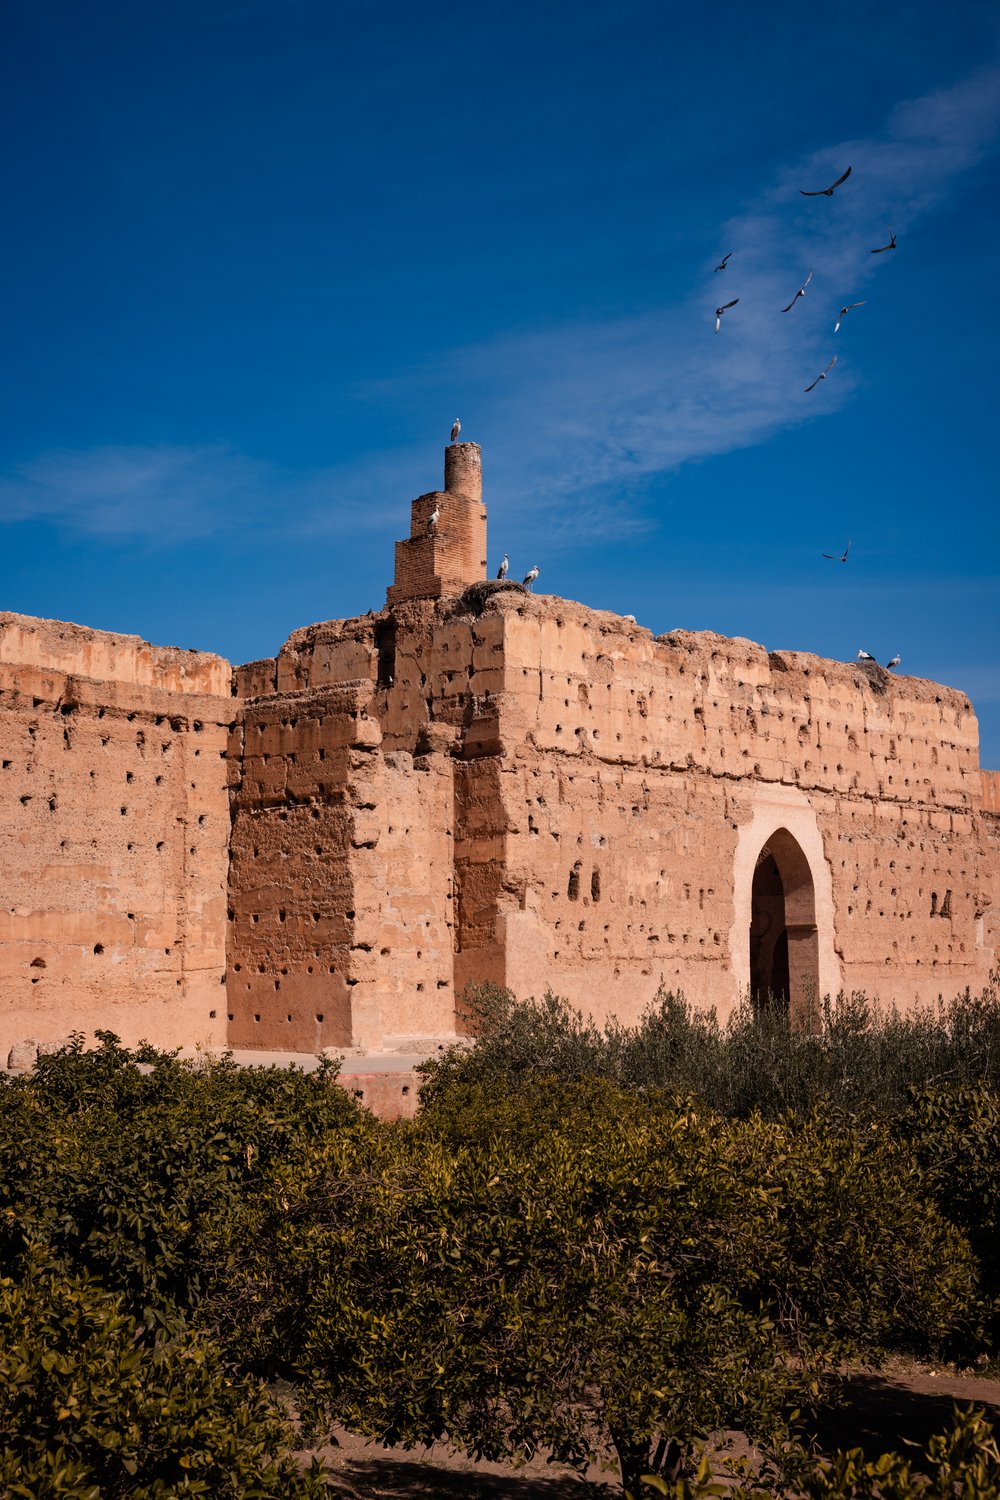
(784, 937)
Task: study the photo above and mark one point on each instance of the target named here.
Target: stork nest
(473, 601)
(878, 677)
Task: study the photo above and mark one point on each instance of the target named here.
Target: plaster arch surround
(773, 807)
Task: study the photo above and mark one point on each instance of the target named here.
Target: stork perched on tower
(433, 519)
(530, 576)
(502, 570)
(456, 428)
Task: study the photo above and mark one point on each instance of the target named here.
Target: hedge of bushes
(590, 1244)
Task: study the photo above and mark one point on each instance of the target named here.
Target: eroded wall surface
(527, 791)
(633, 764)
(113, 837)
(342, 872)
(485, 786)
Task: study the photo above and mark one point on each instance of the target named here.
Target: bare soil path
(902, 1402)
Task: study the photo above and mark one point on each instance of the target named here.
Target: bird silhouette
(823, 376)
(502, 570)
(838, 556)
(722, 263)
(891, 245)
(530, 576)
(800, 293)
(826, 192)
(456, 428)
(843, 313)
(720, 310)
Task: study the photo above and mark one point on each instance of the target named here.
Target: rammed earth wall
(474, 783)
(114, 836)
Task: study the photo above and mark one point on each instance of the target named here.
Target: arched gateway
(784, 936)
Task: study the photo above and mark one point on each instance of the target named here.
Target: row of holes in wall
(165, 746)
(910, 711)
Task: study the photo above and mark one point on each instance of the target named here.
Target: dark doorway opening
(768, 938)
(784, 941)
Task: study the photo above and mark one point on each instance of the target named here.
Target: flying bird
(892, 665)
(502, 570)
(826, 192)
(838, 556)
(720, 310)
(843, 313)
(800, 293)
(722, 263)
(823, 376)
(455, 430)
(891, 245)
(433, 519)
(865, 656)
(530, 577)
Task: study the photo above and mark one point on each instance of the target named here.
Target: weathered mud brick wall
(113, 837)
(642, 780)
(989, 897)
(473, 784)
(342, 888)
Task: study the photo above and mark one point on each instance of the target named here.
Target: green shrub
(953, 1135)
(962, 1463)
(861, 1058)
(601, 1270)
(90, 1411)
(125, 1163)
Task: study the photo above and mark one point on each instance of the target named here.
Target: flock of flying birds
(827, 192)
(841, 557)
(879, 250)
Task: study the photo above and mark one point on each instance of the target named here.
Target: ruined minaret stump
(432, 563)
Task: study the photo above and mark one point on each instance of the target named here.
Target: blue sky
(258, 254)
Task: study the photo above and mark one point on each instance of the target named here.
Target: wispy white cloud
(172, 493)
(592, 410)
(166, 491)
(615, 402)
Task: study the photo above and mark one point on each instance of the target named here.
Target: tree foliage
(91, 1410)
(596, 1270)
(126, 1163)
(860, 1057)
(555, 1255)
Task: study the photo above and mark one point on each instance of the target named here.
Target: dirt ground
(902, 1402)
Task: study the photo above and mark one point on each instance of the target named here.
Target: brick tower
(444, 560)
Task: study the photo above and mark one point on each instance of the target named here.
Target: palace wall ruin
(113, 837)
(473, 783)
